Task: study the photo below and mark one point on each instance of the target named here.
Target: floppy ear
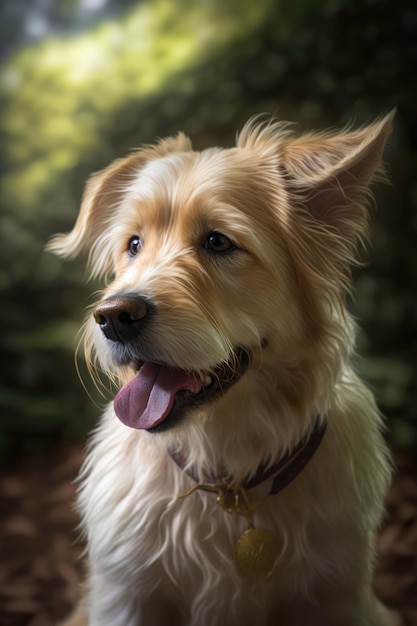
(102, 196)
(328, 175)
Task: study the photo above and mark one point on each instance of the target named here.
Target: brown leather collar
(285, 470)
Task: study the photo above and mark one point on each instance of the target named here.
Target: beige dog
(224, 323)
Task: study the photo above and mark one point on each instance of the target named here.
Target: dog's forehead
(161, 174)
(192, 173)
(188, 183)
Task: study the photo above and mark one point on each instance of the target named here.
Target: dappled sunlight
(49, 86)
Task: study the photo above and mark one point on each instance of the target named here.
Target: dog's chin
(198, 391)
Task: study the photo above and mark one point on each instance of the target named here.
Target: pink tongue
(147, 400)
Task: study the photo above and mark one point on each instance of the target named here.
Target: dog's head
(228, 268)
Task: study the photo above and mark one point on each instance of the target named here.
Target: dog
(238, 478)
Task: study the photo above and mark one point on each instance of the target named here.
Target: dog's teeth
(207, 380)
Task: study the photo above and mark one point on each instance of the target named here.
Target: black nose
(121, 317)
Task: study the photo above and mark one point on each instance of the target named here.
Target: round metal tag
(256, 553)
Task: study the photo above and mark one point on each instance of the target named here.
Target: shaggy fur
(293, 210)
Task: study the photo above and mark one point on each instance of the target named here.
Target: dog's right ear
(102, 196)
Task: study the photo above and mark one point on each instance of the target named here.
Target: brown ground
(40, 567)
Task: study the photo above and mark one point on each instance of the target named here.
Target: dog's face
(201, 278)
(225, 264)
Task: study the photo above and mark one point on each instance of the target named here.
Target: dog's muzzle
(160, 394)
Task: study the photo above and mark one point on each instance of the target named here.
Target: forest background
(84, 81)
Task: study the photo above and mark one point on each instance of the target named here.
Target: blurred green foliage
(71, 103)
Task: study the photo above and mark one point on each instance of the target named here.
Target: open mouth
(159, 396)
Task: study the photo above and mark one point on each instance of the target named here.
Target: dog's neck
(283, 471)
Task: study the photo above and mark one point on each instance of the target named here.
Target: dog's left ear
(329, 175)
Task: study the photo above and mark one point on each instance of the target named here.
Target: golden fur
(294, 209)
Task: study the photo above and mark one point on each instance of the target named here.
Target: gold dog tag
(256, 553)
(256, 549)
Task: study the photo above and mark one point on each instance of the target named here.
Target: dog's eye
(134, 245)
(218, 243)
